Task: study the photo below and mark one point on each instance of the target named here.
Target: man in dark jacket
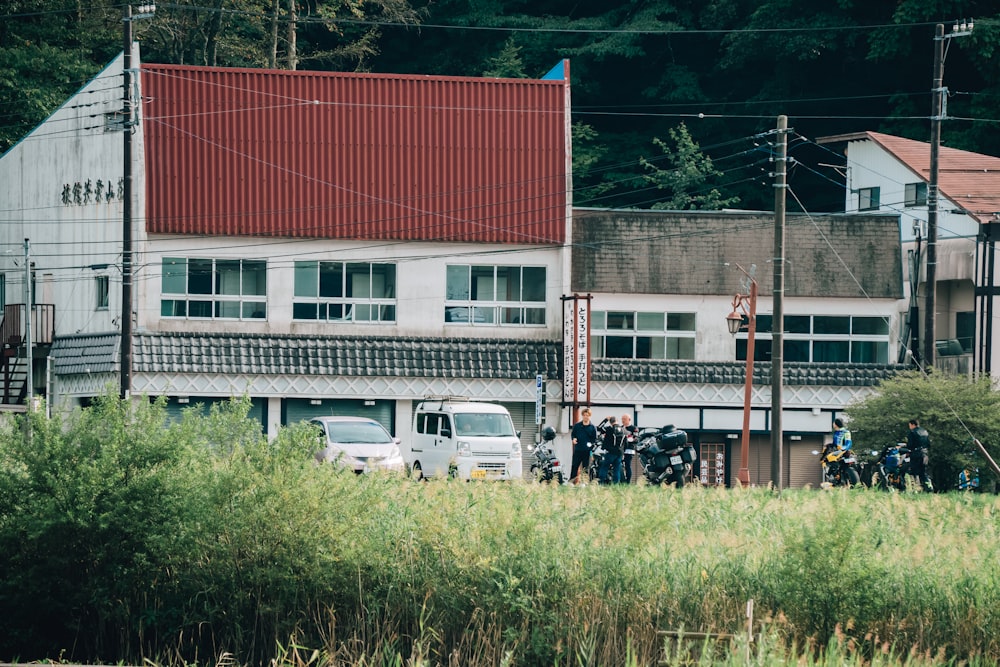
(919, 441)
(584, 435)
(613, 435)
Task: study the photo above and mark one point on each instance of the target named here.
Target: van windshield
(486, 424)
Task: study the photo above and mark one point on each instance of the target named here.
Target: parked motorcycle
(546, 467)
(890, 468)
(665, 455)
(596, 457)
(840, 467)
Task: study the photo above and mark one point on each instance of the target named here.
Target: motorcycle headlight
(464, 448)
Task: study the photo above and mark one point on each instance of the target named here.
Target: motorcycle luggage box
(672, 440)
(688, 455)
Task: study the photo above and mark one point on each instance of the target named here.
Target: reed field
(126, 538)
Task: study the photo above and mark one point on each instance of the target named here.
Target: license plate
(556, 467)
(676, 460)
(478, 474)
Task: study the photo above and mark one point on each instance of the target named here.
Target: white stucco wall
(420, 278)
(53, 191)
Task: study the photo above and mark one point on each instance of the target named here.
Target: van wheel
(416, 472)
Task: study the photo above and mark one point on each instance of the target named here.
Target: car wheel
(417, 472)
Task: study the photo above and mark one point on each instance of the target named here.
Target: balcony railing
(13, 331)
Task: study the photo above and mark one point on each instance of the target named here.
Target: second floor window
(101, 284)
(214, 288)
(868, 199)
(642, 335)
(495, 295)
(822, 338)
(915, 194)
(345, 292)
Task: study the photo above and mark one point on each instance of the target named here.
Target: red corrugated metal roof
(245, 152)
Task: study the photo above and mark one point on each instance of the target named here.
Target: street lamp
(745, 310)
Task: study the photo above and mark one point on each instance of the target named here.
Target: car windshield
(483, 424)
(355, 433)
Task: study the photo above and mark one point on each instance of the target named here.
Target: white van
(466, 439)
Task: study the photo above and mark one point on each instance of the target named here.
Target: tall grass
(124, 537)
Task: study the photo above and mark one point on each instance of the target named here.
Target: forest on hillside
(674, 102)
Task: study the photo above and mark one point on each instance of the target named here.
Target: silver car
(359, 443)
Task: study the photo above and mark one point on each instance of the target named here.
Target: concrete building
(343, 243)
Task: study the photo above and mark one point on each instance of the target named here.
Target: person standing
(631, 438)
(841, 435)
(583, 435)
(918, 440)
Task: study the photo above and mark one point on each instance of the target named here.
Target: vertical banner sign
(582, 351)
(569, 350)
(576, 350)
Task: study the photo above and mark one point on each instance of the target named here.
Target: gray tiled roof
(86, 353)
(492, 358)
(344, 355)
(728, 372)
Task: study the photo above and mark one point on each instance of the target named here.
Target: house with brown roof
(891, 174)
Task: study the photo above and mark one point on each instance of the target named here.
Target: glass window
(868, 199)
(642, 335)
(915, 194)
(495, 295)
(870, 326)
(102, 285)
(965, 329)
(650, 321)
(830, 324)
(826, 338)
(214, 288)
(358, 292)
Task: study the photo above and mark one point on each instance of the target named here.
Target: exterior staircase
(13, 360)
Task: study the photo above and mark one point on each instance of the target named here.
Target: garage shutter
(300, 409)
(803, 466)
(205, 403)
(523, 416)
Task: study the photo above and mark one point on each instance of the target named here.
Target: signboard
(576, 349)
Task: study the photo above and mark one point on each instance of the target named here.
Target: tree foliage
(951, 408)
(688, 180)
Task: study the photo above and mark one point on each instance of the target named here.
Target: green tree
(953, 409)
(688, 180)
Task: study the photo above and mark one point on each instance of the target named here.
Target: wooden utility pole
(937, 106)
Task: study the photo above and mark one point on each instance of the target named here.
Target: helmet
(548, 433)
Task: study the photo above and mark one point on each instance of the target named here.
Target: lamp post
(130, 122)
(745, 306)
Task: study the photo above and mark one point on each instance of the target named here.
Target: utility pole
(126, 314)
(778, 319)
(938, 113)
(128, 112)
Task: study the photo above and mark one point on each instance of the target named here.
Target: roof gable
(970, 180)
(245, 152)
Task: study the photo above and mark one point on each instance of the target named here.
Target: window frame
(671, 341)
(869, 199)
(102, 285)
(915, 194)
(819, 344)
(350, 301)
(473, 295)
(212, 289)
